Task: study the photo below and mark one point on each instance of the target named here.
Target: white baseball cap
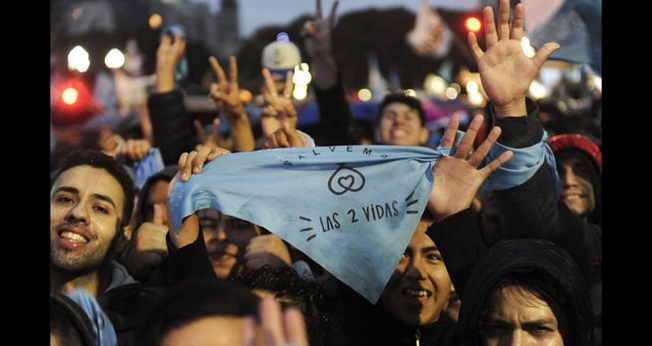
(281, 55)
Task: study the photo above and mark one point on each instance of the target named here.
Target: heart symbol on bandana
(346, 179)
(346, 182)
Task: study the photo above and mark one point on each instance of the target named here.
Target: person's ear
(127, 232)
(123, 238)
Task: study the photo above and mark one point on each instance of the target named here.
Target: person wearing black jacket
(546, 250)
(91, 203)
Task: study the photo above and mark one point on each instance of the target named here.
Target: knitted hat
(577, 141)
(281, 55)
(574, 145)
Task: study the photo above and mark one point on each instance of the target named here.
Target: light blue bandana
(352, 209)
(102, 326)
(148, 165)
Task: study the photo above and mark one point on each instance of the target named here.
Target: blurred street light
(114, 59)
(78, 59)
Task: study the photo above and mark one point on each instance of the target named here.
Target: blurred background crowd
(102, 62)
(143, 89)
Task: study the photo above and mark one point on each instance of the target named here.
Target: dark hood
(527, 256)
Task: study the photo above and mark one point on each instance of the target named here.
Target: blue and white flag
(575, 24)
(352, 209)
(103, 330)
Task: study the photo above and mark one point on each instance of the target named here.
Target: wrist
(239, 117)
(164, 83)
(515, 108)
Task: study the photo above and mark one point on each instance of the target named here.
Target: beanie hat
(410, 101)
(577, 141)
(281, 55)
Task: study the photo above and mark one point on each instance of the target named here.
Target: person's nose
(515, 338)
(218, 233)
(164, 216)
(568, 177)
(401, 118)
(415, 269)
(78, 212)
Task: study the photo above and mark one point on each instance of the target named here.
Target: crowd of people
(184, 237)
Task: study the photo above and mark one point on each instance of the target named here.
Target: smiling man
(412, 307)
(401, 121)
(579, 165)
(91, 203)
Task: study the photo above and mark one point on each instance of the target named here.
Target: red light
(74, 102)
(73, 91)
(473, 24)
(69, 96)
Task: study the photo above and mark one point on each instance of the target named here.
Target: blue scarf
(352, 209)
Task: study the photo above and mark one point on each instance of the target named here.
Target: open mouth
(417, 293)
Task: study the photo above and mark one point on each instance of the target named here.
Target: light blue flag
(148, 165)
(575, 24)
(102, 327)
(352, 209)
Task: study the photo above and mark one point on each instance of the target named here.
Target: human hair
(590, 171)
(399, 97)
(575, 145)
(539, 284)
(539, 267)
(97, 159)
(143, 208)
(284, 282)
(192, 299)
(291, 290)
(69, 324)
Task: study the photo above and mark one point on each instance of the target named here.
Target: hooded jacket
(520, 257)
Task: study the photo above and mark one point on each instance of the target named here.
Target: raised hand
(134, 149)
(149, 247)
(278, 109)
(192, 162)
(226, 96)
(505, 69)
(457, 178)
(189, 163)
(168, 54)
(211, 139)
(317, 32)
(317, 40)
(277, 326)
(285, 137)
(226, 92)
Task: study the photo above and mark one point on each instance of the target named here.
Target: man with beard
(91, 203)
